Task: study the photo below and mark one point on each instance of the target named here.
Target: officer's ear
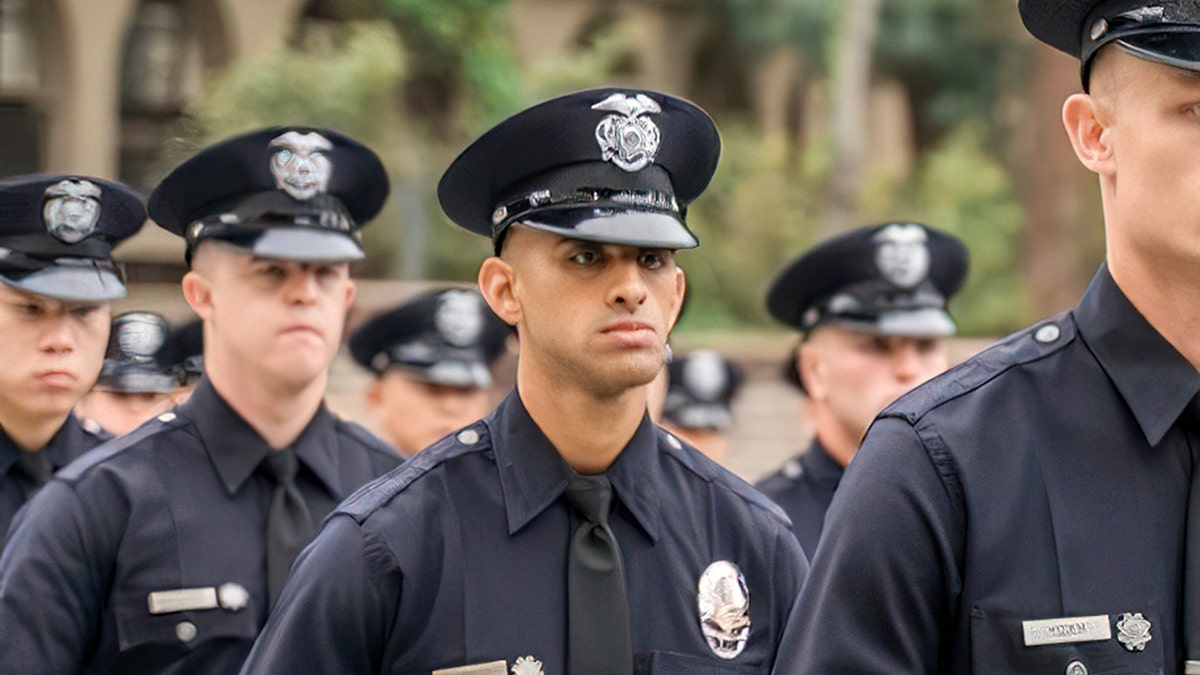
(1088, 121)
(497, 284)
(198, 293)
(811, 369)
(680, 293)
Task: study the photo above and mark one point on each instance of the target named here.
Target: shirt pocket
(998, 646)
(658, 663)
(137, 627)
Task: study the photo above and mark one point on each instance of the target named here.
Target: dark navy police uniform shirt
(459, 558)
(71, 440)
(1044, 480)
(177, 504)
(803, 488)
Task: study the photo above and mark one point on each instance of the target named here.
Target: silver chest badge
(1133, 631)
(71, 210)
(724, 603)
(527, 665)
(299, 164)
(459, 317)
(628, 139)
(902, 255)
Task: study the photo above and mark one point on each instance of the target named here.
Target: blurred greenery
(423, 78)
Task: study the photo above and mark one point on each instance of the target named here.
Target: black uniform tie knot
(598, 632)
(35, 468)
(289, 523)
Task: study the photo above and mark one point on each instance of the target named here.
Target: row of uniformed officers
(1027, 511)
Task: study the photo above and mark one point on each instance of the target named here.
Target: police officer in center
(870, 305)
(1028, 511)
(163, 550)
(432, 358)
(140, 377)
(57, 278)
(564, 533)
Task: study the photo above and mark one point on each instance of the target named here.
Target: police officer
(163, 550)
(697, 405)
(57, 277)
(139, 379)
(432, 359)
(564, 533)
(871, 309)
(186, 345)
(1028, 511)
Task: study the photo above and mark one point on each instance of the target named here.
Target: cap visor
(916, 323)
(701, 416)
(135, 381)
(1177, 48)
(71, 284)
(453, 373)
(307, 245)
(632, 228)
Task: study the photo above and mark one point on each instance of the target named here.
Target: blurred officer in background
(697, 405)
(871, 308)
(1037, 508)
(187, 349)
(432, 358)
(57, 277)
(140, 378)
(164, 549)
(566, 532)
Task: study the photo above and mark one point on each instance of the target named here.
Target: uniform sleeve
(53, 581)
(336, 610)
(885, 571)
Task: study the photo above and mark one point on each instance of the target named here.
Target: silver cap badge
(459, 317)
(704, 374)
(901, 254)
(527, 665)
(628, 140)
(72, 209)
(299, 164)
(1133, 631)
(724, 603)
(140, 338)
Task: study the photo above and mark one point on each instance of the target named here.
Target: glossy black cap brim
(452, 373)
(70, 284)
(133, 380)
(301, 244)
(700, 416)
(1177, 48)
(607, 226)
(916, 323)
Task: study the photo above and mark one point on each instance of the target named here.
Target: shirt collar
(57, 451)
(818, 464)
(236, 449)
(1154, 379)
(533, 475)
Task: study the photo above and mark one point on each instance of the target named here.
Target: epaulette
(1034, 343)
(713, 472)
(370, 497)
(103, 452)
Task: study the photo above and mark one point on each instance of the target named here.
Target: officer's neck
(278, 412)
(839, 443)
(31, 432)
(1166, 297)
(587, 430)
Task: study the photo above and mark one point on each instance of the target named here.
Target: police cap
(1164, 31)
(606, 165)
(293, 193)
(57, 233)
(700, 390)
(448, 337)
(185, 348)
(138, 360)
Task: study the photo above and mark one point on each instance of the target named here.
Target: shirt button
(185, 631)
(468, 437)
(674, 442)
(792, 469)
(166, 417)
(1047, 334)
(1076, 668)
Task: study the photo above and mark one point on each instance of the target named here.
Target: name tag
(493, 668)
(182, 600)
(1067, 629)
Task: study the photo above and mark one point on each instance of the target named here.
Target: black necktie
(289, 525)
(1191, 560)
(35, 468)
(598, 634)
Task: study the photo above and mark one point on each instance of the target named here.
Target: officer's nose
(303, 285)
(629, 287)
(906, 361)
(59, 336)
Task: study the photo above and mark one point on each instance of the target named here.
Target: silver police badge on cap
(724, 603)
(704, 374)
(628, 140)
(527, 665)
(299, 164)
(140, 338)
(459, 317)
(902, 255)
(1133, 631)
(72, 209)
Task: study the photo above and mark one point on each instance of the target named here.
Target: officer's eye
(84, 311)
(585, 257)
(31, 310)
(653, 260)
(284, 155)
